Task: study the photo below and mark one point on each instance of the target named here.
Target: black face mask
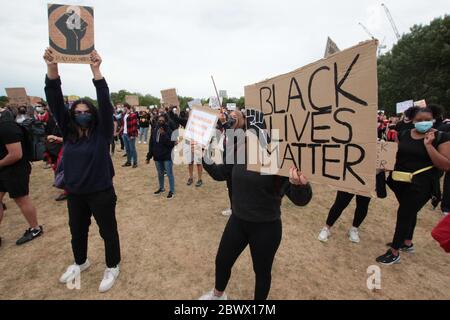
(22, 111)
(229, 124)
(161, 123)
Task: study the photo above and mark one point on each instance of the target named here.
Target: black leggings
(411, 198)
(445, 204)
(264, 240)
(342, 201)
(102, 205)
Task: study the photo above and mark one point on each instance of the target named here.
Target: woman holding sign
(88, 169)
(255, 219)
(422, 152)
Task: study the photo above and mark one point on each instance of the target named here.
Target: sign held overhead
(71, 33)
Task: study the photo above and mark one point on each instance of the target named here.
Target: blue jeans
(143, 133)
(130, 148)
(165, 166)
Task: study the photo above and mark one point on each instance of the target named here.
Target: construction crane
(381, 45)
(391, 20)
(366, 30)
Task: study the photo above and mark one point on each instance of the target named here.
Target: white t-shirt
(125, 129)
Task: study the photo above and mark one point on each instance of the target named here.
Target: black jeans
(342, 201)
(102, 205)
(264, 240)
(445, 204)
(411, 197)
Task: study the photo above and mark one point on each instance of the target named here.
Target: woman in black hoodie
(88, 169)
(255, 219)
(160, 149)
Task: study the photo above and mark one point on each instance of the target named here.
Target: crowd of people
(80, 140)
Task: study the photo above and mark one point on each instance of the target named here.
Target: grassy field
(169, 247)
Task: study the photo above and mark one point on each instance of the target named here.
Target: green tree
(3, 101)
(417, 67)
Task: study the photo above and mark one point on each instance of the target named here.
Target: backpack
(34, 139)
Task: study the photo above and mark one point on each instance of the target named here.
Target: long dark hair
(73, 132)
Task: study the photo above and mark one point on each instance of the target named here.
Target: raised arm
(106, 109)
(53, 92)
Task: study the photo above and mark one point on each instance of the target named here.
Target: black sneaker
(158, 192)
(190, 181)
(170, 195)
(404, 247)
(30, 234)
(199, 183)
(135, 166)
(388, 258)
(126, 164)
(61, 197)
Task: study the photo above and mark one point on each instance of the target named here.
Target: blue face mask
(119, 116)
(83, 120)
(423, 126)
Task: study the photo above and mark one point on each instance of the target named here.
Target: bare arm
(440, 156)
(14, 154)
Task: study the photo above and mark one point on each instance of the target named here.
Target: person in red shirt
(130, 133)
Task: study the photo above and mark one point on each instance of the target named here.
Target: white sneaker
(211, 296)
(353, 235)
(227, 212)
(145, 142)
(109, 277)
(73, 271)
(324, 234)
(139, 142)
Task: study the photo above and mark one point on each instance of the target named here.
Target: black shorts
(16, 181)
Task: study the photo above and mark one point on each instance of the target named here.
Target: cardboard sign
(132, 100)
(170, 98)
(386, 155)
(420, 103)
(71, 32)
(331, 48)
(321, 119)
(17, 97)
(35, 100)
(201, 125)
(403, 106)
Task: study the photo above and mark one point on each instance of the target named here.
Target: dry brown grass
(168, 247)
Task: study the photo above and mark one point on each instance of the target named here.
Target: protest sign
(71, 32)
(195, 102)
(34, 100)
(201, 125)
(403, 106)
(322, 119)
(215, 103)
(231, 106)
(223, 94)
(386, 155)
(132, 100)
(420, 103)
(17, 97)
(331, 48)
(170, 98)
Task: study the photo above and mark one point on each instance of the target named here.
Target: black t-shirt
(412, 154)
(10, 133)
(403, 126)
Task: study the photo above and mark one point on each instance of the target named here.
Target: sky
(151, 45)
